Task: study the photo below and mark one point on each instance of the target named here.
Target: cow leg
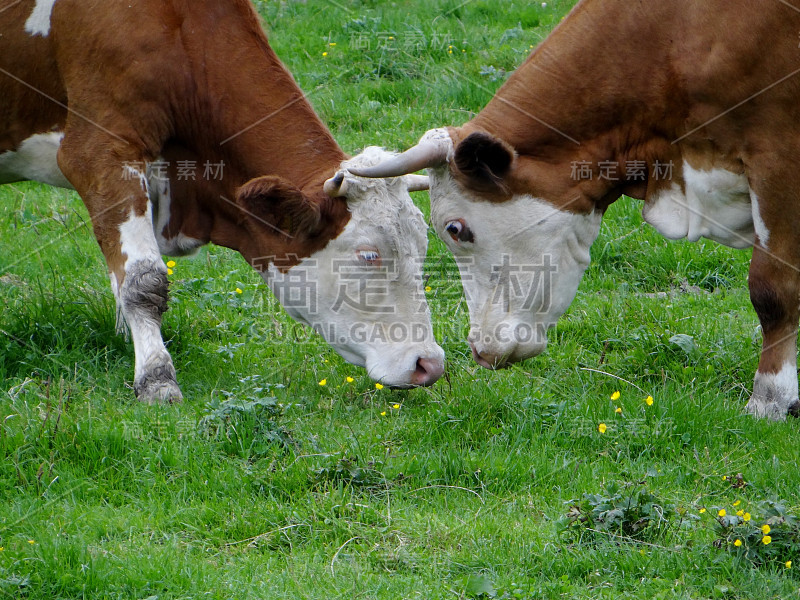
(775, 293)
(118, 201)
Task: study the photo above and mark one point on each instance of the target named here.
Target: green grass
(331, 492)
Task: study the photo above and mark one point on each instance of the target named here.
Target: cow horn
(336, 186)
(417, 183)
(425, 154)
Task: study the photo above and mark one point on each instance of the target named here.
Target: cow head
(521, 257)
(350, 266)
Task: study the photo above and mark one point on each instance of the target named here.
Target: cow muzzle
(488, 360)
(415, 369)
(501, 350)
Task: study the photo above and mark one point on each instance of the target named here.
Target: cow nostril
(428, 371)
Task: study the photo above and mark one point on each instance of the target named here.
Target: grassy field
(266, 484)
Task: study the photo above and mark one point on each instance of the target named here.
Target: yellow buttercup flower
(171, 264)
(428, 288)
(239, 290)
(396, 406)
(649, 401)
(169, 271)
(378, 386)
(788, 564)
(737, 503)
(383, 414)
(722, 512)
(349, 380)
(618, 410)
(746, 517)
(765, 529)
(602, 428)
(737, 543)
(332, 44)
(739, 513)
(31, 542)
(615, 396)
(323, 382)
(766, 540)
(702, 510)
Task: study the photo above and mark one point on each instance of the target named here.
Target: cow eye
(459, 231)
(369, 256)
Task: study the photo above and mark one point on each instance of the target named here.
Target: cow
(692, 107)
(117, 99)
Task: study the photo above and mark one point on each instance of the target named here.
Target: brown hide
(710, 82)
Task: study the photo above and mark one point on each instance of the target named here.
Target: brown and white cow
(693, 107)
(94, 94)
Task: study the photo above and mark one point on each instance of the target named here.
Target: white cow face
(363, 291)
(520, 258)
(520, 261)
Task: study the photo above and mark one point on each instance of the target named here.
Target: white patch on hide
(758, 222)
(39, 21)
(137, 240)
(35, 160)
(713, 204)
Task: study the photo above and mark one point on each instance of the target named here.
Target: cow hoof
(161, 392)
(158, 386)
(774, 411)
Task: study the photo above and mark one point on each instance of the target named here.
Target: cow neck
(252, 113)
(249, 113)
(581, 98)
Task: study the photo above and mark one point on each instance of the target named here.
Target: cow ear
(273, 203)
(484, 161)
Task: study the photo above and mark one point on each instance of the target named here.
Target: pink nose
(486, 360)
(428, 371)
